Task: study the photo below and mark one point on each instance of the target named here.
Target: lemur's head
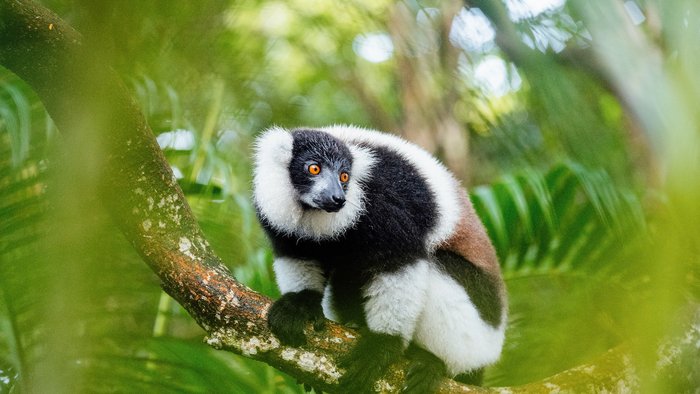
(320, 170)
(310, 183)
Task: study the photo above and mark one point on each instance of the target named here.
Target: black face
(320, 170)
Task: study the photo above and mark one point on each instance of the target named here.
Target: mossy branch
(87, 100)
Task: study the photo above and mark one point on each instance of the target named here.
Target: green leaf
(557, 220)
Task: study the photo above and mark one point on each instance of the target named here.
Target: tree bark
(87, 100)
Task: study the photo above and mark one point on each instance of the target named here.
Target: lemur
(372, 231)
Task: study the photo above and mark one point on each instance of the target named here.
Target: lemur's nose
(334, 203)
(339, 199)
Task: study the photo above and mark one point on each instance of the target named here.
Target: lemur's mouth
(331, 206)
(334, 209)
(328, 206)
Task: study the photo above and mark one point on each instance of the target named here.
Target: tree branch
(87, 100)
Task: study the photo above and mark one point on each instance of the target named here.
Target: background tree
(583, 271)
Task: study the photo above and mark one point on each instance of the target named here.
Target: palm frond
(15, 115)
(557, 221)
(23, 121)
(178, 365)
(564, 238)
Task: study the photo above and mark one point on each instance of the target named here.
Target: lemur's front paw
(368, 361)
(289, 315)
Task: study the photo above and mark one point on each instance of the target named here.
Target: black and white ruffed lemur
(372, 231)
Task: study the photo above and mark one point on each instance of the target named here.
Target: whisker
(353, 204)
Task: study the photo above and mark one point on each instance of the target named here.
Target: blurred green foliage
(574, 122)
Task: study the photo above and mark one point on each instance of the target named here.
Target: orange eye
(344, 177)
(314, 169)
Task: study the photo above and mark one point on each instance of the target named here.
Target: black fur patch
(401, 210)
(480, 287)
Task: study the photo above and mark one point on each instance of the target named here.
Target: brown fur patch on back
(471, 241)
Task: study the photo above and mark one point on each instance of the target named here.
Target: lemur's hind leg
(474, 378)
(425, 371)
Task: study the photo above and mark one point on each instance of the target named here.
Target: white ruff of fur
(443, 185)
(278, 200)
(296, 275)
